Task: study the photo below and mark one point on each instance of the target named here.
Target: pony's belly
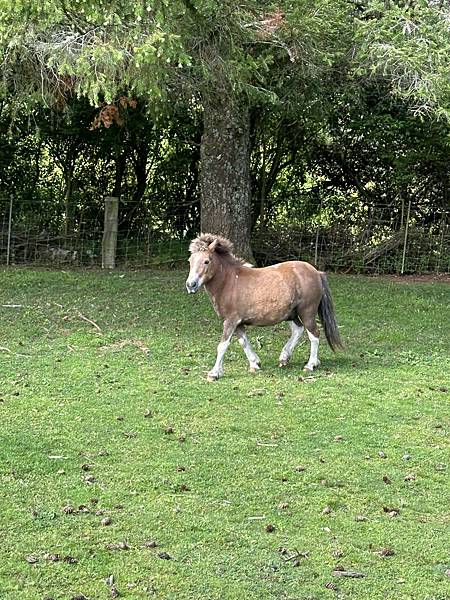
(270, 317)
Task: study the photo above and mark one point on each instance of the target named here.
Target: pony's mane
(223, 247)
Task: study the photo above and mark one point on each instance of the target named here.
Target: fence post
(109, 243)
(316, 245)
(406, 237)
(8, 247)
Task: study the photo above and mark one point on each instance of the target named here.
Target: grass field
(124, 472)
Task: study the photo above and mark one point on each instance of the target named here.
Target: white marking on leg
(288, 348)
(229, 328)
(217, 370)
(252, 357)
(313, 358)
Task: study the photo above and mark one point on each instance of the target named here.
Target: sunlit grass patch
(209, 489)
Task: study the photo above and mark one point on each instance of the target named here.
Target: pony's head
(203, 259)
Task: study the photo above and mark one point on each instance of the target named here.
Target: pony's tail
(327, 316)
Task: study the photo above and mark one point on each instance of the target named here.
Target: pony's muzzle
(192, 286)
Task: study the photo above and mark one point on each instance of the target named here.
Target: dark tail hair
(327, 316)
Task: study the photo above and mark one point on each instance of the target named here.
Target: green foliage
(330, 87)
(41, 155)
(407, 44)
(363, 151)
(94, 49)
(98, 49)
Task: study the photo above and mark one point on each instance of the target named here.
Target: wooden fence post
(8, 247)
(109, 243)
(406, 238)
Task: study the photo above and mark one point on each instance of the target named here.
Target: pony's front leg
(253, 358)
(228, 330)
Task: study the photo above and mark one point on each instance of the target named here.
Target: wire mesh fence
(381, 240)
(379, 244)
(33, 238)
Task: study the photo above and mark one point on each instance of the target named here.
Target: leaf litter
(118, 346)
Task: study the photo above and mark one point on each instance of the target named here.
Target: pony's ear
(213, 245)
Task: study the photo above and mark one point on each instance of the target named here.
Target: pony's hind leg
(296, 334)
(253, 358)
(313, 334)
(313, 361)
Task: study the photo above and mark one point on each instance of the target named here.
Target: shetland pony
(293, 291)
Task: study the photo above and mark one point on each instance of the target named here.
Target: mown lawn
(113, 419)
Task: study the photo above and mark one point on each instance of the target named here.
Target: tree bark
(225, 172)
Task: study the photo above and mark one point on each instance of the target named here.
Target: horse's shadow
(340, 364)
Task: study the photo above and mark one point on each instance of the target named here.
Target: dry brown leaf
(52, 557)
(386, 552)
(31, 559)
(118, 546)
(70, 560)
(352, 574)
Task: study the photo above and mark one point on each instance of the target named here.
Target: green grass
(72, 395)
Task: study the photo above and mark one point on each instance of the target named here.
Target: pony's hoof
(254, 368)
(310, 368)
(283, 360)
(212, 377)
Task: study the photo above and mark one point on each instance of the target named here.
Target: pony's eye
(206, 262)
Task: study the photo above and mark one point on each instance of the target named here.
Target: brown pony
(292, 291)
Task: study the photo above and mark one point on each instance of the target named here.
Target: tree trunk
(68, 199)
(225, 173)
(69, 170)
(140, 172)
(120, 161)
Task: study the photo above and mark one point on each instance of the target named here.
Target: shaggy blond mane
(223, 247)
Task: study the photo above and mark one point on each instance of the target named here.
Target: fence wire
(385, 241)
(375, 245)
